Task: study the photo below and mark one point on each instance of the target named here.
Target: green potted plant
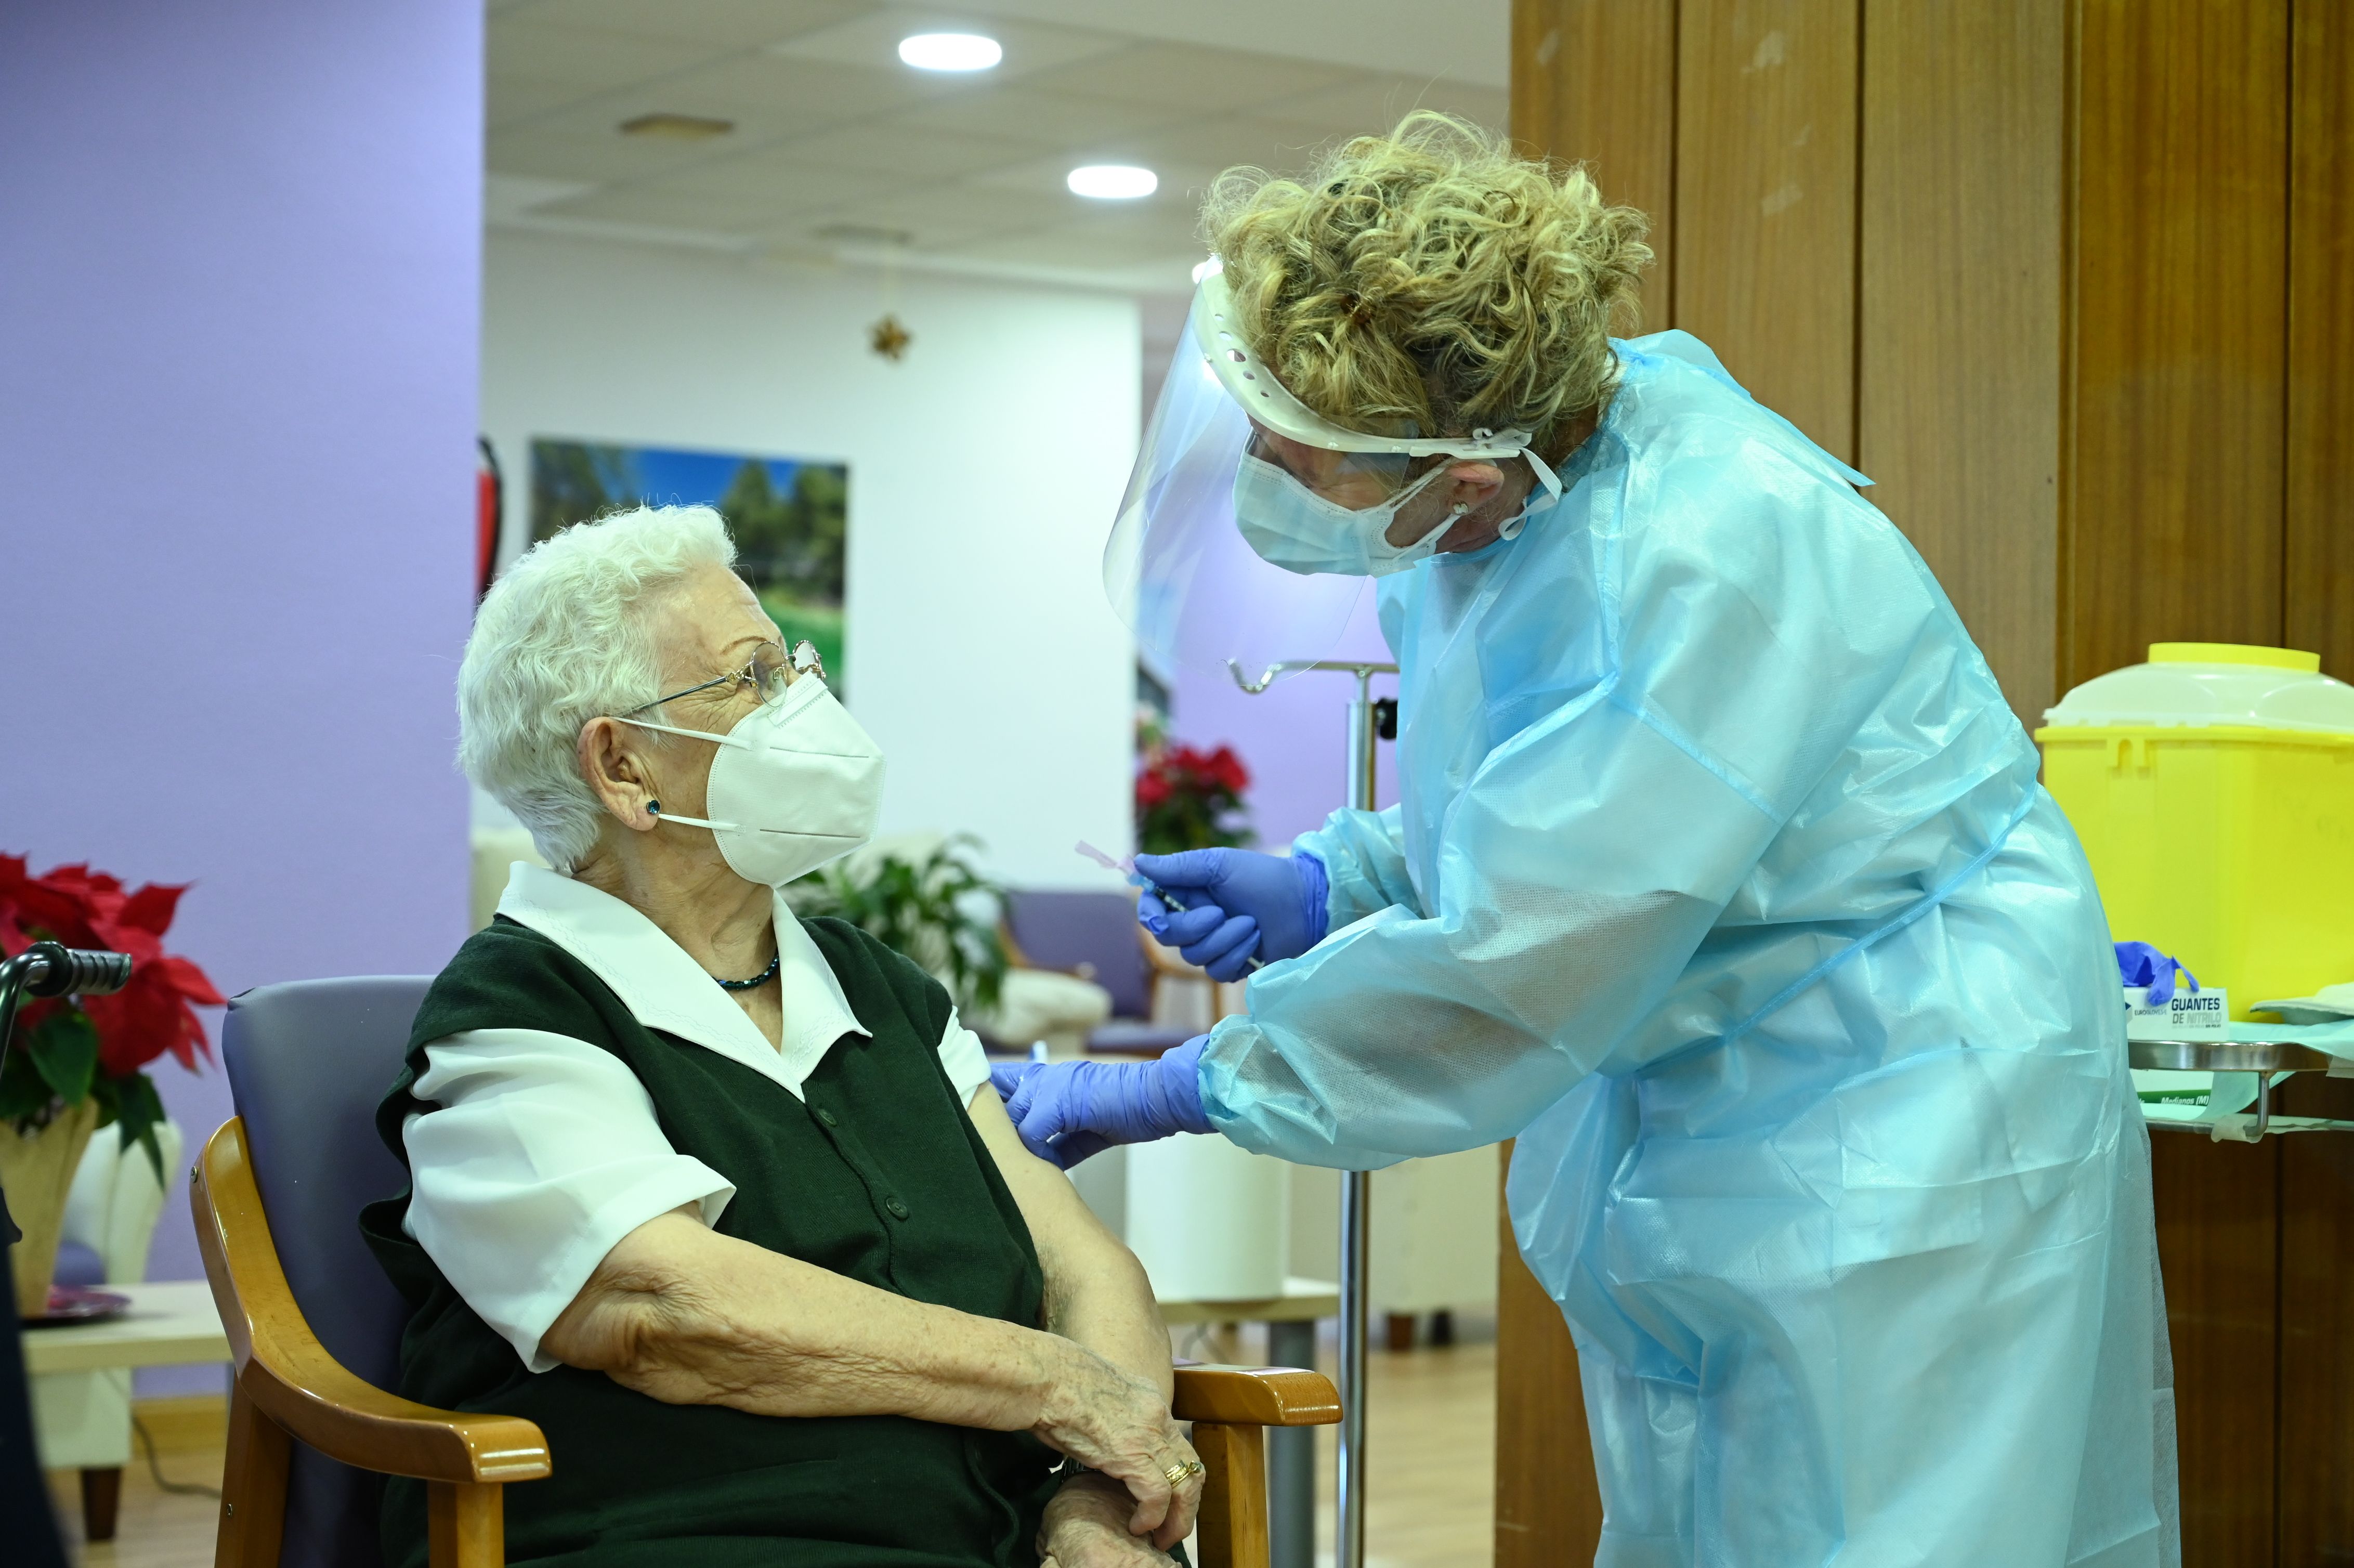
(78, 1062)
(931, 906)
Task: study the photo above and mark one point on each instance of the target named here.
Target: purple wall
(238, 276)
(1294, 737)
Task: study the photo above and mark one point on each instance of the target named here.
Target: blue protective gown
(1722, 878)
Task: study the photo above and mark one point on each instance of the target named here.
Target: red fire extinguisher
(489, 504)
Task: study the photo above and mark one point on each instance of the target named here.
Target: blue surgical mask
(1291, 526)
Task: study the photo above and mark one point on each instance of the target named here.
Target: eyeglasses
(767, 672)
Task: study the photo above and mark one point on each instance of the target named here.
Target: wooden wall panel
(2316, 1491)
(1548, 1506)
(2218, 1246)
(1958, 360)
(2173, 529)
(1594, 81)
(2317, 1369)
(2320, 452)
(1767, 110)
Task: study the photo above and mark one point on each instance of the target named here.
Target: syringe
(1127, 868)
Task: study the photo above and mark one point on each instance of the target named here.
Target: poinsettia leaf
(65, 1050)
(152, 907)
(189, 980)
(141, 1110)
(24, 1095)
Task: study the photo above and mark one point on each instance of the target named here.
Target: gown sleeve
(1364, 853)
(1589, 855)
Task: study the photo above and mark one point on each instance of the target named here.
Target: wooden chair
(315, 1327)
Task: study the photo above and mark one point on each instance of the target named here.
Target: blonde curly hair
(1431, 282)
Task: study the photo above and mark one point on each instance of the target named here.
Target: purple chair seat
(1126, 1037)
(1093, 935)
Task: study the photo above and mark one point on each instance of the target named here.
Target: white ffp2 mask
(795, 784)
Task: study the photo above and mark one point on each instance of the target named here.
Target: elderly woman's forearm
(1099, 1297)
(690, 1316)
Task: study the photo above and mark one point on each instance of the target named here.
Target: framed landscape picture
(789, 518)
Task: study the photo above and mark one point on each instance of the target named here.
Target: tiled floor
(1432, 1443)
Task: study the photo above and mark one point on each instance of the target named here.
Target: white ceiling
(838, 147)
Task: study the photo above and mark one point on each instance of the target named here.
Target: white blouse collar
(664, 989)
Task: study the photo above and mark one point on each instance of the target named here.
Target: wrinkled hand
(1119, 1423)
(1237, 904)
(1067, 1111)
(1086, 1527)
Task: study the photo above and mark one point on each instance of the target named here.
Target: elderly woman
(715, 1195)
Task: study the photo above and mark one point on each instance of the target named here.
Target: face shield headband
(1177, 567)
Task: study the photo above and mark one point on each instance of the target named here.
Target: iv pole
(1356, 1186)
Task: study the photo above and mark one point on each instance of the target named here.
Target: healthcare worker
(1720, 879)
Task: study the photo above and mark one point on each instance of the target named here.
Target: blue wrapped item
(1723, 880)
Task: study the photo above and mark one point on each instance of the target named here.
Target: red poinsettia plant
(71, 1049)
(1189, 799)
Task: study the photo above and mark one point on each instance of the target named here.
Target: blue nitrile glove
(2142, 964)
(1067, 1111)
(1238, 903)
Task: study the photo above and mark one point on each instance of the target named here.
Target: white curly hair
(564, 636)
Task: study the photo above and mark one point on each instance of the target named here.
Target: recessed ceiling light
(1113, 182)
(950, 51)
(677, 127)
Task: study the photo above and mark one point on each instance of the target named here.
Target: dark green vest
(877, 1175)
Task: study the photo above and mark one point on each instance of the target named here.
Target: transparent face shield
(1178, 569)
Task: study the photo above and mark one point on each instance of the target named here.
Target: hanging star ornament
(889, 338)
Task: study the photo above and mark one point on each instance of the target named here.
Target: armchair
(315, 1326)
(1094, 936)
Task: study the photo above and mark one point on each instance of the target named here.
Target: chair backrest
(1067, 930)
(307, 1064)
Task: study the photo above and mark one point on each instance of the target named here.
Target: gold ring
(1178, 1475)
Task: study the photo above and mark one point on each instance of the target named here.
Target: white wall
(984, 471)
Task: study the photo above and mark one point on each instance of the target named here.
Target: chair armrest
(290, 1376)
(1255, 1396)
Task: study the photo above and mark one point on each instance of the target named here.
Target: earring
(1459, 508)
(654, 808)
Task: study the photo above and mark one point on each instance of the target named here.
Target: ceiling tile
(1049, 175)
(1023, 113)
(510, 99)
(732, 23)
(589, 57)
(1196, 80)
(755, 84)
(773, 183)
(907, 153)
(873, 39)
(508, 197)
(1222, 143)
(775, 205)
(597, 157)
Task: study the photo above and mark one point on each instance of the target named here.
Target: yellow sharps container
(2213, 789)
